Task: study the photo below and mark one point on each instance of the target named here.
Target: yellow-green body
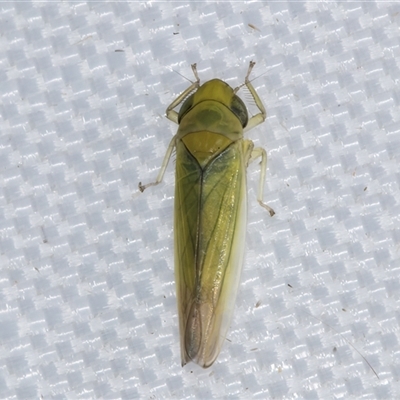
(210, 211)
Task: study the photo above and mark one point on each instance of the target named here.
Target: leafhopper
(210, 208)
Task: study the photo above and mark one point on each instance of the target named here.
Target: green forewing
(210, 205)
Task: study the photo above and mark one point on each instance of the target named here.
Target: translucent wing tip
(202, 340)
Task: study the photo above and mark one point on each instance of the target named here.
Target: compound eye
(240, 110)
(186, 106)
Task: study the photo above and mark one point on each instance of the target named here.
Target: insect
(210, 208)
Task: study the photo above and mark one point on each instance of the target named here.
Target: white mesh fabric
(87, 291)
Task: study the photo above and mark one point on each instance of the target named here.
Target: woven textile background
(87, 295)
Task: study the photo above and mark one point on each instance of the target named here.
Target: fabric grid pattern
(87, 295)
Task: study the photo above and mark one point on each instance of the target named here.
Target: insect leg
(171, 113)
(173, 116)
(259, 117)
(252, 154)
(163, 167)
